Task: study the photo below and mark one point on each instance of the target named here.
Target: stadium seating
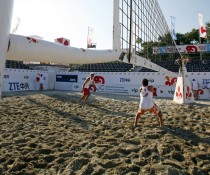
(193, 66)
(105, 67)
(15, 64)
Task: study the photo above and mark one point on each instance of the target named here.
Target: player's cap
(91, 73)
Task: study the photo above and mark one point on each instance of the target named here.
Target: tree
(180, 39)
(192, 37)
(208, 32)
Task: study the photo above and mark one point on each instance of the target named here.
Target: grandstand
(15, 64)
(105, 67)
(192, 66)
(11, 64)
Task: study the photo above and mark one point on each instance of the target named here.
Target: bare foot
(133, 127)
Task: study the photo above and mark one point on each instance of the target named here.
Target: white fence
(125, 83)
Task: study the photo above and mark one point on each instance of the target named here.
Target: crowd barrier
(125, 83)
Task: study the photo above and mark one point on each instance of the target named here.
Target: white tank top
(41, 79)
(146, 98)
(194, 85)
(87, 85)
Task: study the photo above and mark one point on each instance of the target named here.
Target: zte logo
(18, 86)
(76, 87)
(125, 80)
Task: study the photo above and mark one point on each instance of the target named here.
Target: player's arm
(140, 89)
(150, 88)
(87, 79)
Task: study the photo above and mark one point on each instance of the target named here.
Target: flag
(173, 33)
(202, 30)
(90, 38)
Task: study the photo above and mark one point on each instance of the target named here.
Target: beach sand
(52, 133)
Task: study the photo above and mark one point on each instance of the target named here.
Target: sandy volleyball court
(51, 133)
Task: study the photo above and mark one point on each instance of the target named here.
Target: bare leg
(137, 117)
(197, 95)
(40, 86)
(86, 97)
(82, 98)
(160, 118)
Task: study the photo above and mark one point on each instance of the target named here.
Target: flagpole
(200, 43)
(88, 37)
(172, 42)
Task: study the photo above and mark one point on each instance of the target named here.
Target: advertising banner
(128, 83)
(22, 80)
(124, 83)
(191, 48)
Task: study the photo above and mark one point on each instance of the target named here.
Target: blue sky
(52, 19)
(186, 13)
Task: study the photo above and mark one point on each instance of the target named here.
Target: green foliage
(208, 32)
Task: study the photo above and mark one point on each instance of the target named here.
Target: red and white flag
(202, 30)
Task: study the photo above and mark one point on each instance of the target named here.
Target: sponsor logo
(191, 49)
(188, 93)
(17, 86)
(32, 40)
(26, 77)
(178, 93)
(67, 78)
(170, 81)
(205, 81)
(171, 91)
(6, 76)
(134, 90)
(76, 87)
(99, 79)
(125, 80)
(101, 87)
(200, 92)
